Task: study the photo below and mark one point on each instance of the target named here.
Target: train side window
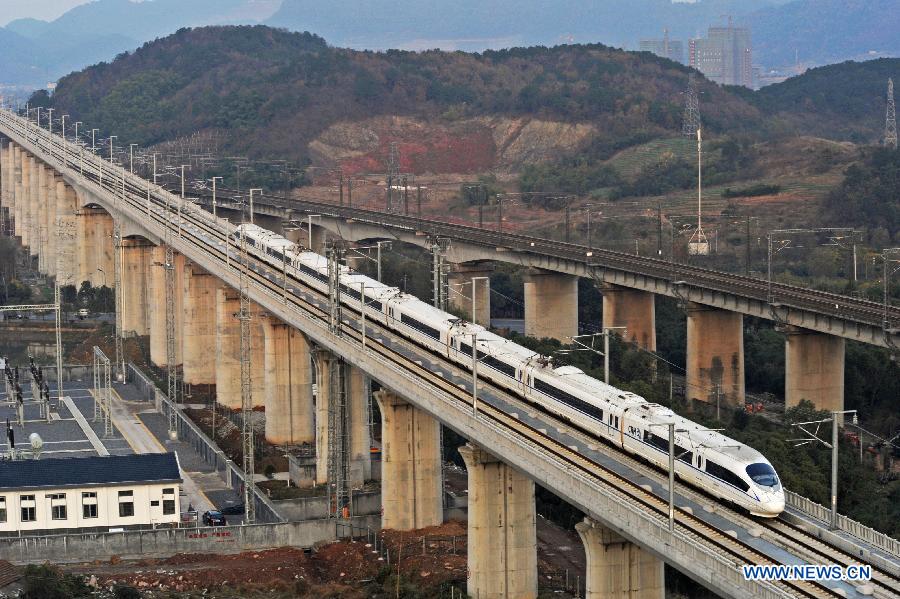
(617, 422)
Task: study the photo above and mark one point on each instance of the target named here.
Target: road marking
(85, 427)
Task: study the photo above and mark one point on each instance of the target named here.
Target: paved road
(126, 416)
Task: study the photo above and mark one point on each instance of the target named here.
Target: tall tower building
(725, 55)
(666, 48)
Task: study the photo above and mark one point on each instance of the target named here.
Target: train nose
(774, 502)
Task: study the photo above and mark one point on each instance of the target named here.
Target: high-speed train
(706, 459)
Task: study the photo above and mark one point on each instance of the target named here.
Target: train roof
(693, 435)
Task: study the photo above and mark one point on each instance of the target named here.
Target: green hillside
(273, 91)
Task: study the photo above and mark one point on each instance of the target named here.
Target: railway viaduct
(66, 205)
(816, 324)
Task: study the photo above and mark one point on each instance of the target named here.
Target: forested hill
(275, 91)
(844, 101)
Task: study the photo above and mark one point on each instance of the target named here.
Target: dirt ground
(430, 561)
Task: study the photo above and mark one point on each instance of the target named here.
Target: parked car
(83, 313)
(233, 510)
(214, 518)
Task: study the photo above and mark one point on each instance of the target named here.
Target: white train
(706, 459)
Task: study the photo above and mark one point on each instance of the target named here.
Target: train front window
(763, 475)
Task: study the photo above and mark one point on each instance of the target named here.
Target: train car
(705, 459)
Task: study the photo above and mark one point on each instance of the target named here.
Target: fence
(136, 544)
(190, 433)
(851, 527)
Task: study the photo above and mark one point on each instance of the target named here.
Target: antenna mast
(698, 244)
(691, 121)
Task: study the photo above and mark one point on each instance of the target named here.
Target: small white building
(97, 493)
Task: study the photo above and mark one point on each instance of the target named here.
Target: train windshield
(763, 475)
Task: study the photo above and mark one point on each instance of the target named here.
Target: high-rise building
(725, 55)
(671, 49)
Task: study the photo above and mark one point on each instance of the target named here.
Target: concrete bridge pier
(460, 279)
(199, 332)
(5, 175)
(34, 193)
(97, 260)
(617, 568)
(18, 190)
(502, 543)
(359, 395)
(356, 396)
(228, 349)
(67, 245)
(551, 305)
(411, 485)
(288, 384)
(633, 309)
(42, 231)
(814, 369)
(8, 181)
(715, 355)
(24, 211)
(323, 360)
(158, 306)
(137, 260)
(53, 231)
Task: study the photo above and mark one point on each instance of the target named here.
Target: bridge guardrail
(845, 524)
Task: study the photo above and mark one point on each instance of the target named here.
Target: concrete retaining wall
(310, 508)
(166, 542)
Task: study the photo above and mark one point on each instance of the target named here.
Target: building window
(57, 506)
(2, 509)
(169, 502)
(29, 513)
(89, 504)
(154, 503)
(126, 504)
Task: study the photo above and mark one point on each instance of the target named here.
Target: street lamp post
(214, 194)
(671, 427)
(475, 374)
(833, 446)
(251, 202)
(64, 153)
(131, 157)
(112, 138)
(378, 246)
(94, 140)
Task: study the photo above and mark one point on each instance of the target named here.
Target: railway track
(863, 311)
(740, 552)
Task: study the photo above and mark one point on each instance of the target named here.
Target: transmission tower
(691, 122)
(119, 297)
(890, 124)
(118, 291)
(338, 417)
(246, 389)
(171, 368)
(335, 256)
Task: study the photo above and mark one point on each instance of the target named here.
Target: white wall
(145, 514)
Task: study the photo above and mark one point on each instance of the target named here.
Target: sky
(46, 10)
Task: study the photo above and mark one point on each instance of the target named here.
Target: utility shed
(58, 495)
